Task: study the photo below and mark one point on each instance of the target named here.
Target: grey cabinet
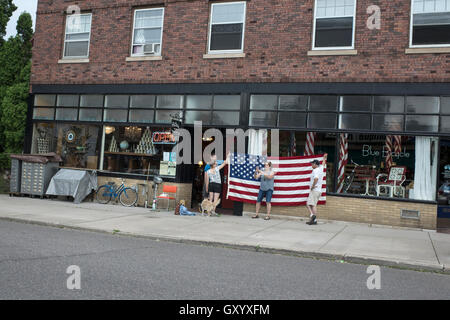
(36, 177)
(16, 173)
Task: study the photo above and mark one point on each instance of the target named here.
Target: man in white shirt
(315, 188)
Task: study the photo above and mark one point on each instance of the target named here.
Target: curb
(303, 254)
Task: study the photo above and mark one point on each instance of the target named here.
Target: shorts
(215, 187)
(313, 198)
(267, 194)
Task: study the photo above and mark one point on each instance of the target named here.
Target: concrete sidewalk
(351, 242)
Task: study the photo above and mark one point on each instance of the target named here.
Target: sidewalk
(351, 242)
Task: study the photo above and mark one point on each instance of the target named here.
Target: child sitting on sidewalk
(182, 210)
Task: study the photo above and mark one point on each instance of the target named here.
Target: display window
(392, 166)
(139, 150)
(78, 145)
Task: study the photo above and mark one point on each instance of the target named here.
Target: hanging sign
(163, 138)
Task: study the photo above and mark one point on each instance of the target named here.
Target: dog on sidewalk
(208, 206)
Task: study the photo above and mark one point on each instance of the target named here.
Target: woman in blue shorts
(266, 188)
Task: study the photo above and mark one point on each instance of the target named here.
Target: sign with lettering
(367, 151)
(163, 138)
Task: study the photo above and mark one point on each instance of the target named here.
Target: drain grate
(410, 214)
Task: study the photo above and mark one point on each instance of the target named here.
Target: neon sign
(163, 138)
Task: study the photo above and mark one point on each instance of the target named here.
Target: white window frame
(134, 28)
(230, 22)
(344, 16)
(65, 40)
(411, 33)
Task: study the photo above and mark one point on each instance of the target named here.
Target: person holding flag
(266, 188)
(315, 192)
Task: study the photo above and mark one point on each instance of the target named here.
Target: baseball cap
(316, 162)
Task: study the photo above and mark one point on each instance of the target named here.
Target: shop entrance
(443, 196)
(225, 206)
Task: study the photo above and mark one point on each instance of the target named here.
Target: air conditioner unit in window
(150, 48)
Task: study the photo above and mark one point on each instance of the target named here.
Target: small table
(367, 179)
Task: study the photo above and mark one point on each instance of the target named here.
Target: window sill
(427, 50)
(344, 52)
(73, 61)
(150, 58)
(223, 55)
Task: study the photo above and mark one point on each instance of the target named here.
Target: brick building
(371, 75)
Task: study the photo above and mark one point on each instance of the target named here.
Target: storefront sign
(368, 152)
(163, 138)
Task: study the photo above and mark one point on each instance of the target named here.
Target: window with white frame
(147, 32)
(226, 27)
(334, 24)
(77, 37)
(430, 25)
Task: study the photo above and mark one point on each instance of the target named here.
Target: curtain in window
(257, 142)
(425, 169)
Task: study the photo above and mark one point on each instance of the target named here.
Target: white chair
(392, 184)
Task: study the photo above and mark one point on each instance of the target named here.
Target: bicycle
(349, 179)
(127, 195)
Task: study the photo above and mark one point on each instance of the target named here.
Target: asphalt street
(34, 261)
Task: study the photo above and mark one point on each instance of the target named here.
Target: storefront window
(225, 118)
(294, 103)
(231, 102)
(354, 121)
(422, 104)
(445, 105)
(78, 145)
(263, 119)
(191, 116)
(387, 166)
(386, 122)
(170, 102)
(116, 108)
(43, 113)
(91, 108)
(323, 103)
(198, 102)
(44, 100)
(355, 103)
(139, 150)
(292, 119)
(322, 121)
(422, 123)
(389, 104)
(293, 144)
(264, 102)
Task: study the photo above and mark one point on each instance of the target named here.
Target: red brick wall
(277, 39)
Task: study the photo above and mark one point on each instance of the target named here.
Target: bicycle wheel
(347, 183)
(128, 197)
(104, 194)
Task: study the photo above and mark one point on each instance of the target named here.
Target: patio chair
(390, 185)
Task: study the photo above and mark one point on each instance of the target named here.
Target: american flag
(309, 146)
(292, 179)
(293, 147)
(397, 144)
(343, 160)
(388, 152)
